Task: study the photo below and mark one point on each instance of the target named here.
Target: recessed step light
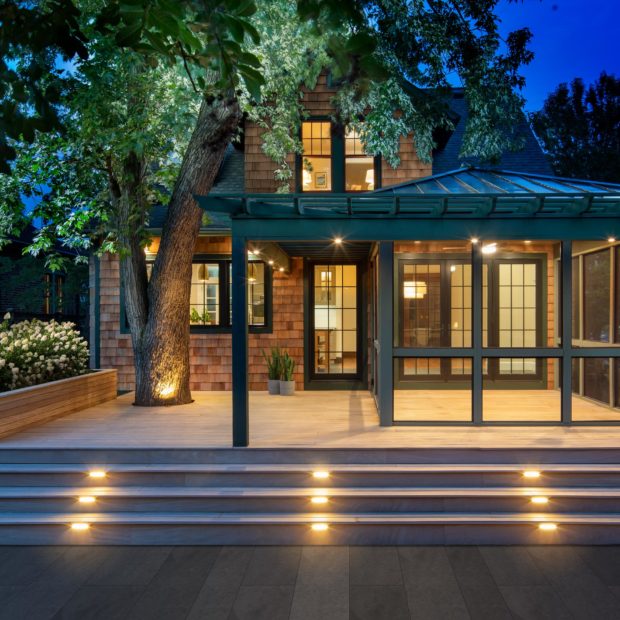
(80, 527)
(319, 499)
(540, 500)
(320, 474)
(531, 473)
(548, 527)
(87, 499)
(97, 473)
(320, 527)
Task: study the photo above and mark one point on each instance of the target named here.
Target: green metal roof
(463, 193)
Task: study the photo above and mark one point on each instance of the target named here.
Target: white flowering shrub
(33, 352)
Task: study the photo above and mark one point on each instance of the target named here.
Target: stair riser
(101, 456)
(303, 505)
(303, 535)
(338, 479)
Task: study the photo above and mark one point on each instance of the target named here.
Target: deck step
(333, 492)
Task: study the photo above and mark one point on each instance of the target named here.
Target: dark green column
(476, 332)
(385, 333)
(240, 396)
(566, 265)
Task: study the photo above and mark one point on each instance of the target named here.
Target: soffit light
(337, 240)
(491, 248)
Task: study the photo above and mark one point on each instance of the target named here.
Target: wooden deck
(333, 419)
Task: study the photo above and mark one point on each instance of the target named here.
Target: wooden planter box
(39, 404)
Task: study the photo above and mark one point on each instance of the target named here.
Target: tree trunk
(161, 351)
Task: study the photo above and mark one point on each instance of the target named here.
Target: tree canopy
(579, 128)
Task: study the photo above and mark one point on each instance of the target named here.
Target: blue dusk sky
(572, 38)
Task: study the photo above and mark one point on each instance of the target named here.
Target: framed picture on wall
(320, 179)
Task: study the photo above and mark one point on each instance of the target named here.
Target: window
(211, 295)
(334, 160)
(317, 157)
(359, 168)
(596, 298)
(52, 293)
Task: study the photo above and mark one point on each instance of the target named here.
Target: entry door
(335, 319)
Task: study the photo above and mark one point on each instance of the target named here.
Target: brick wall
(259, 169)
(210, 354)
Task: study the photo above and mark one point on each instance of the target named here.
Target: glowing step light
(540, 500)
(87, 499)
(320, 527)
(97, 473)
(320, 474)
(319, 499)
(80, 527)
(531, 473)
(548, 527)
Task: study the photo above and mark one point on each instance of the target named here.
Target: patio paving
(303, 583)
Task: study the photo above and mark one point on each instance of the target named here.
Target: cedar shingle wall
(259, 169)
(210, 354)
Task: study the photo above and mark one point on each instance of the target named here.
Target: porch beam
(404, 229)
(240, 395)
(566, 265)
(487, 352)
(385, 333)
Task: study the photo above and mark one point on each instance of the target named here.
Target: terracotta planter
(41, 403)
(273, 386)
(287, 388)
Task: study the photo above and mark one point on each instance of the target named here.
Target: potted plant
(274, 369)
(287, 381)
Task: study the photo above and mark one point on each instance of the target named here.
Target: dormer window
(317, 156)
(334, 160)
(359, 167)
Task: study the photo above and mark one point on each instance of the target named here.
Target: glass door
(335, 317)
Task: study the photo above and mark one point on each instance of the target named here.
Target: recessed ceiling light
(337, 240)
(475, 240)
(490, 248)
(611, 239)
(281, 269)
(527, 242)
(270, 262)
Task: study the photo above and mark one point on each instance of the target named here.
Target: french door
(435, 305)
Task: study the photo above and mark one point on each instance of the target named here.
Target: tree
(579, 129)
(217, 60)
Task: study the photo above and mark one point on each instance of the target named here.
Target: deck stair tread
(227, 518)
(30, 492)
(381, 468)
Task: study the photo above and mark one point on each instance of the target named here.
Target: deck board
(334, 419)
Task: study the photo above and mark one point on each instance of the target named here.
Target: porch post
(240, 400)
(476, 330)
(385, 333)
(566, 266)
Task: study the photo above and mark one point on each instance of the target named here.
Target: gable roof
(530, 159)
(490, 181)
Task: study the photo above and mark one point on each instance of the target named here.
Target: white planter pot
(287, 388)
(273, 386)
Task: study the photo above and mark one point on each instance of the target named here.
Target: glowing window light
(414, 290)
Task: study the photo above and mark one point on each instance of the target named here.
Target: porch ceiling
(327, 250)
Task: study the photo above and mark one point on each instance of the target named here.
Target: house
(450, 290)
(29, 290)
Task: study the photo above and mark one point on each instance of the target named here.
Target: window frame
(338, 161)
(225, 324)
